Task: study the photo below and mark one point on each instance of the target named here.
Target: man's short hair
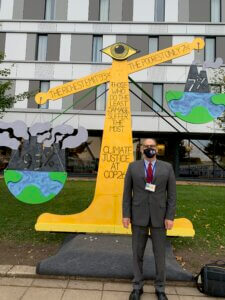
(150, 139)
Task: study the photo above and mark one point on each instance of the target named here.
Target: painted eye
(119, 51)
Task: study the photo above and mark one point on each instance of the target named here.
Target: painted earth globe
(34, 187)
(197, 108)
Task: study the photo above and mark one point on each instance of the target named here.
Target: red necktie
(149, 173)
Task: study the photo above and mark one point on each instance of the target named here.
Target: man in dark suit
(149, 201)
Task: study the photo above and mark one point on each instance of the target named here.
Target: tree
(7, 100)
(217, 82)
(184, 150)
(216, 150)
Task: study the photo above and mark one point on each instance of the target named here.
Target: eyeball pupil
(119, 49)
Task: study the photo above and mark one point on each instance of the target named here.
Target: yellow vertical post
(117, 145)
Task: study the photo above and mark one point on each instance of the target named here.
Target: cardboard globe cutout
(36, 171)
(196, 104)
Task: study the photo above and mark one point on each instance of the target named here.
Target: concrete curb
(21, 271)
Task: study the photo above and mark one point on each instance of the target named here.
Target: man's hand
(169, 224)
(126, 222)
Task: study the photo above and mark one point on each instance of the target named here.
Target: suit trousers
(140, 236)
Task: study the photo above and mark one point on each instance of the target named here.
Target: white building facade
(50, 42)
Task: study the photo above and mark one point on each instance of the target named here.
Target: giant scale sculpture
(104, 213)
(36, 172)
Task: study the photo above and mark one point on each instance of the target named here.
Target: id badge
(150, 187)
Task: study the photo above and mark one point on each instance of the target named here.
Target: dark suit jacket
(141, 205)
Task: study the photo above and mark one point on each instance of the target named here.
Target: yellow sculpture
(104, 215)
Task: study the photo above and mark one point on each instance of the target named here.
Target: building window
(210, 49)
(44, 87)
(153, 44)
(49, 9)
(157, 96)
(101, 101)
(215, 11)
(97, 46)
(160, 11)
(217, 88)
(197, 163)
(42, 47)
(104, 10)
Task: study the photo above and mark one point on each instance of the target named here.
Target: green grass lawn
(17, 219)
(204, 206)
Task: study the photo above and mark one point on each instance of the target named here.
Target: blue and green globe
(197, 108)
(34, 187)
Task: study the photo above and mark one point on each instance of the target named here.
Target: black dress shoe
(136, 294)
(161, 296)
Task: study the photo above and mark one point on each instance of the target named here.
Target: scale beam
(135, 65)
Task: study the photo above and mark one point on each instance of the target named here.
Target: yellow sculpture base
(48, 222)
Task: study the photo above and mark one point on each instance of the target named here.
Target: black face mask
(150, 152)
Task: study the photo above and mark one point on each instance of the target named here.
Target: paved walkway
(26, 288)
(58, 289)
(22, 283)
